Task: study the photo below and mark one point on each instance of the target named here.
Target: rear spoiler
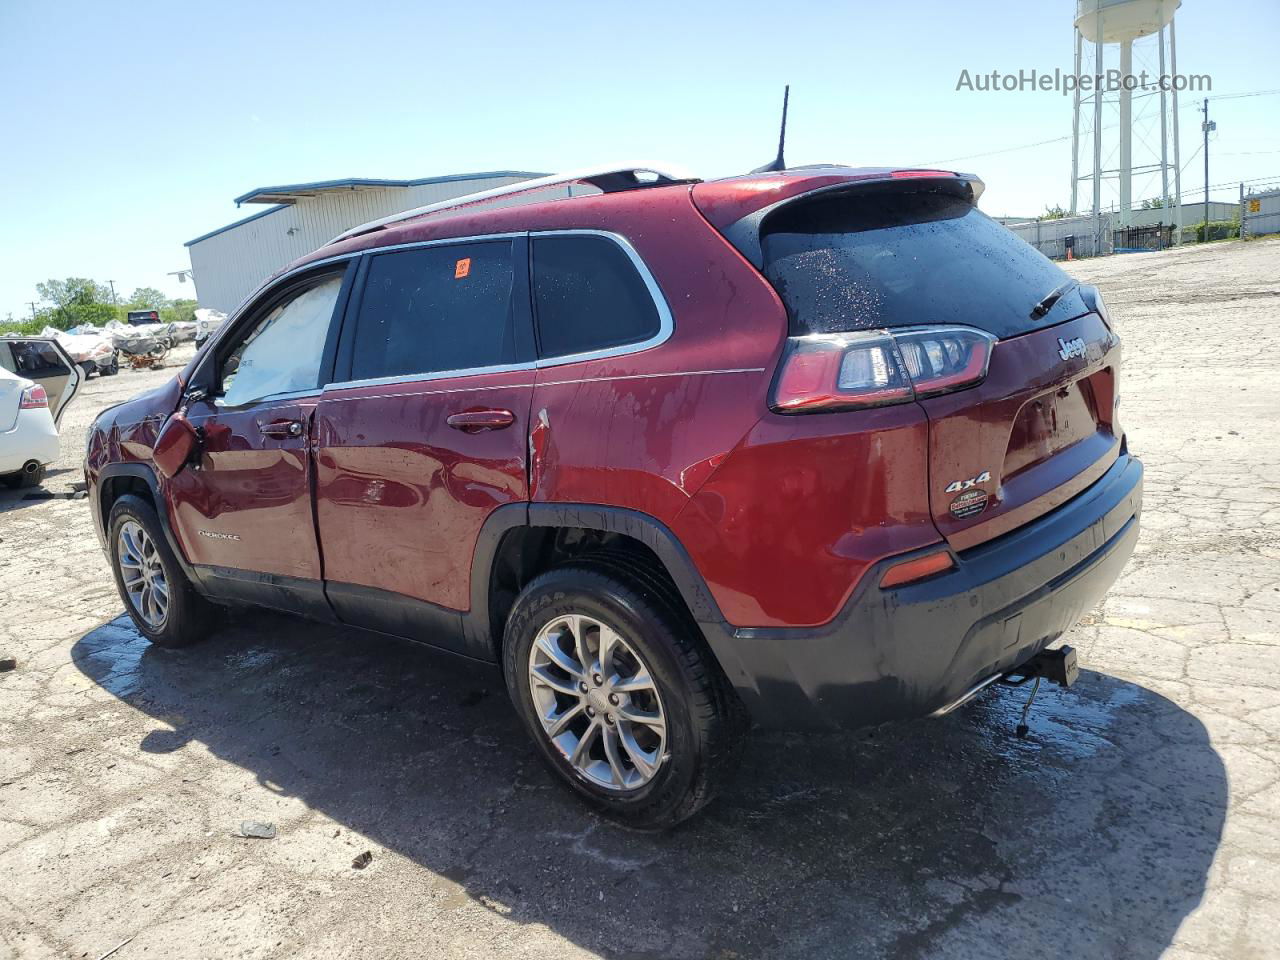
(743, 230)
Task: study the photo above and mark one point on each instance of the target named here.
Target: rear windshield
(887, 257)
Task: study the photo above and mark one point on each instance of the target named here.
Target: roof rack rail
(605, 179)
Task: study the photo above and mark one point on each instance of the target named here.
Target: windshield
(889, 257)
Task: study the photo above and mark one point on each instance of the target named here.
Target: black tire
(706, 722)
(24, 480)
(190, 616)
(112, 368)
(87, 369)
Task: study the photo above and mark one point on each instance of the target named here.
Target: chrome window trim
(666, 323)
(542, 383)
(427, 377)
(267, 401)
(263, 403)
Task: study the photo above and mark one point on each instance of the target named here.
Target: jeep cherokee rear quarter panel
(804, 506)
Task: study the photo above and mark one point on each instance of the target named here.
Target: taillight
(33, 398)
(873, 368)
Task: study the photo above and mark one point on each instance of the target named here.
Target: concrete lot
(1140, 819)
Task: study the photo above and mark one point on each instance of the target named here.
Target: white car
(207, 322)
(37, 381)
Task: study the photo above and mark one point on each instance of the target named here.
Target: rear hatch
(918, 254)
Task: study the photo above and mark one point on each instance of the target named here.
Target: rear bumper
(33, 436)
(904, 653)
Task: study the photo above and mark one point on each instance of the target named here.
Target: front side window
(283, 352)
(436, 309)
(588, 296)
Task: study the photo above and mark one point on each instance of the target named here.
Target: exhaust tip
(31, 466)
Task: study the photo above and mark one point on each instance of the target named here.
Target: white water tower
(1119, 25)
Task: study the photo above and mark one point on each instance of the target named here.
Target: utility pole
(33, 308)
(113, 292)
(1207, 126)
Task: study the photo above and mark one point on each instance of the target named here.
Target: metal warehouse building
(229, 263)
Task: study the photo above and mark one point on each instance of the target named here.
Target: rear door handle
(473, 421)
(281, 428)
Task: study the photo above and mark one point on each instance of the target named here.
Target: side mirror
(176, 444)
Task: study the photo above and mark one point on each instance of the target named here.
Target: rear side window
(588, 296)
(436, 309)
(889, 257)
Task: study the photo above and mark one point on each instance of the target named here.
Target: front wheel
(621, 695)
(163, 604)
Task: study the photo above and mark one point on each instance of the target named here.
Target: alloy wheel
(597, 702)
(142, 574)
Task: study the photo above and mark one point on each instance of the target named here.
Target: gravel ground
(1140, 819)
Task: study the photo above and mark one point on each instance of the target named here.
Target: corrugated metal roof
(290, 192)
(238, 223)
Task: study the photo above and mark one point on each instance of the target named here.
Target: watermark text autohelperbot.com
(1110, 81)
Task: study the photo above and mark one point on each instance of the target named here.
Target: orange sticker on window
(462, 268)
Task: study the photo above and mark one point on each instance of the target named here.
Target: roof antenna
(778, 163)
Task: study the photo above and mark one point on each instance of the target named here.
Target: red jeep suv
(820, 447)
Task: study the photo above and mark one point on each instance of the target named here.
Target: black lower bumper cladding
(914, 650)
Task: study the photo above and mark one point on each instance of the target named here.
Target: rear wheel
(29, 476)
(159, 598)
(111, 369)
(621, 695)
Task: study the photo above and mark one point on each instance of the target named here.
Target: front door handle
(473, 421)
(281, 428)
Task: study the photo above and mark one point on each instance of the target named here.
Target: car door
(425, 433)
(244, 510)
(46, 362)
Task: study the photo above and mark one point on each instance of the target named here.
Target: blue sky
(128, 128)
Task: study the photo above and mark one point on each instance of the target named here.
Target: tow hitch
(1057, 666)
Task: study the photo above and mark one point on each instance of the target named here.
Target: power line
(992, 153)
(1238, 96)
(1042, 143)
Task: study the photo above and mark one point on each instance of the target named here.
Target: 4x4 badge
(957, 485)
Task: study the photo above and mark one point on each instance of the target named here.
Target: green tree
(76, 301)
(147, 298)
(178, 311)
(74, 291)
(1053, 213)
